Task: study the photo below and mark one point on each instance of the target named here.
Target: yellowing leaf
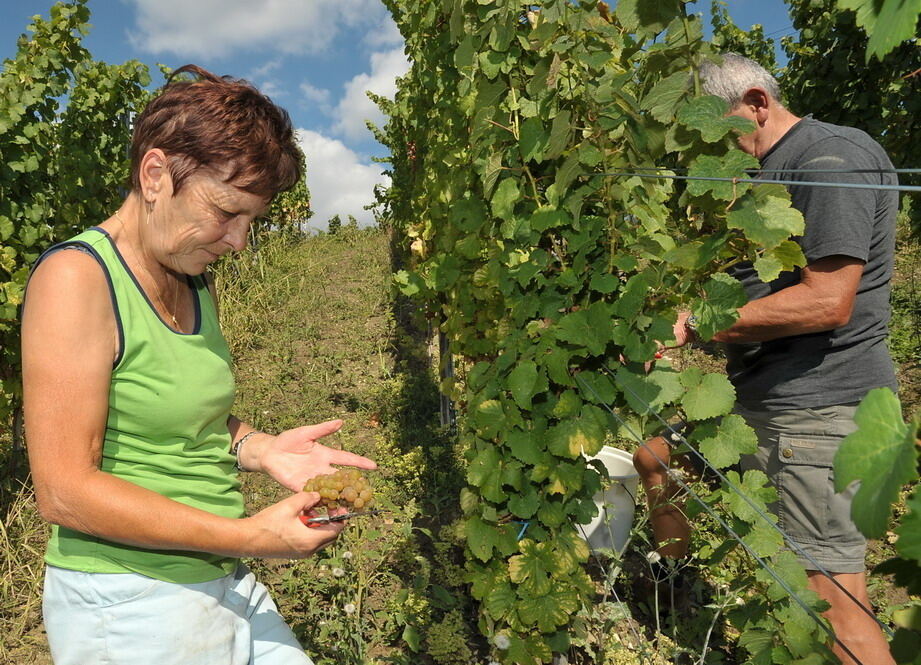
(572, 437)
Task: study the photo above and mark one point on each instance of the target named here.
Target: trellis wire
(793, 545)
(760, 170)
(687, 488)
(759, 181)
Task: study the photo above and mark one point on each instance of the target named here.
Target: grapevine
(556, 283)
(61, 169)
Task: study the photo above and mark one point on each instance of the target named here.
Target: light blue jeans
(130, 619)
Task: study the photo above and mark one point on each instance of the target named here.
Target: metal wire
(759, 170)
(760, 181)
(799, 601)
(754, 506)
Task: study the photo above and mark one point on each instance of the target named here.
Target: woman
(128, 391)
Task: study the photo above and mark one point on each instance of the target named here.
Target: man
(808, 346)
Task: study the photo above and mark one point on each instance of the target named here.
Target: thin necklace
(163, 306)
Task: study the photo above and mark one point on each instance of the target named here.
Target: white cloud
(216, 28)
(316, 96)
(354, 109)
(386, 34)
(264, 70)
(340, 184)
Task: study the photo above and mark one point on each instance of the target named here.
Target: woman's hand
(295, 455)
(278, 532)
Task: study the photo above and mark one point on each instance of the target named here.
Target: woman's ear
(154, 175)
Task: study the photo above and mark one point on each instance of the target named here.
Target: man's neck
(779, 123)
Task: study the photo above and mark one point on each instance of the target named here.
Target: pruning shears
(328, 519)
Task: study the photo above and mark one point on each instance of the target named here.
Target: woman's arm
(295, 455)
(69, 343)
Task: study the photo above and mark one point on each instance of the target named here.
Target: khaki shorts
(796, 449)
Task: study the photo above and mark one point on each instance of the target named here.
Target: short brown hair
(215, 122)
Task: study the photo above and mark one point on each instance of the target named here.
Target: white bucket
(610, 528)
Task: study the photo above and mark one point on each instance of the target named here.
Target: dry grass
(23, 535)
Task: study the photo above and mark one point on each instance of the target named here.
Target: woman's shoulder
(70, 277)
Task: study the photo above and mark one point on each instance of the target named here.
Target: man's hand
(683, 334)
(295, 455)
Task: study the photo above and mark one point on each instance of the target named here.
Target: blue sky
(314, 57)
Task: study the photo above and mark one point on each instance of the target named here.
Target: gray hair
(735, 76)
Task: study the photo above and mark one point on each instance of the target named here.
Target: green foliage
(545, 274)
(883, 454)
(62, 169)
(827, 75)
(728, 37)
(887, 23)
(290, 211)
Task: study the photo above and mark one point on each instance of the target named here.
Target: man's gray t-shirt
(838, 366)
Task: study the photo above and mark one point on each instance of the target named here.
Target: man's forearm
(822, 300)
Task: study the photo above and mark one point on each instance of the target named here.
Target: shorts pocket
(112, 589)
(804, 484)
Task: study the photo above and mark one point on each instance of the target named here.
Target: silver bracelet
(236, 447)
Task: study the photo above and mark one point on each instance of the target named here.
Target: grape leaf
(649, 392)
(786, 256)
(533, 140)
(754, 485)
(882, 455)
(500, 601)
(571, 438)
(485, 472)
(549, 218)
(719, 309)
(531, 650)
(481, 537)
(631, 298)
(550, 610)
(732, 440)
(707, 115)
(532, 568)
(765, 216)
(505, 198)
(887, 22)
(730, 165)
(590, 327)
(489, 418)
(598, 387)
(559, 135)
(789, 569)
(648, 17)
(664, 97)
(707, 396)
(524, 446)
(522, 382)
(764, 540)
(909, 533)
(525, 504)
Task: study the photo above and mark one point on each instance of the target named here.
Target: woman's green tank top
(169, 400)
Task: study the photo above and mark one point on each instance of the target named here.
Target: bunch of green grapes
(345, 487)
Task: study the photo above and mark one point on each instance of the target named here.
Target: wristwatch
(691, 325)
